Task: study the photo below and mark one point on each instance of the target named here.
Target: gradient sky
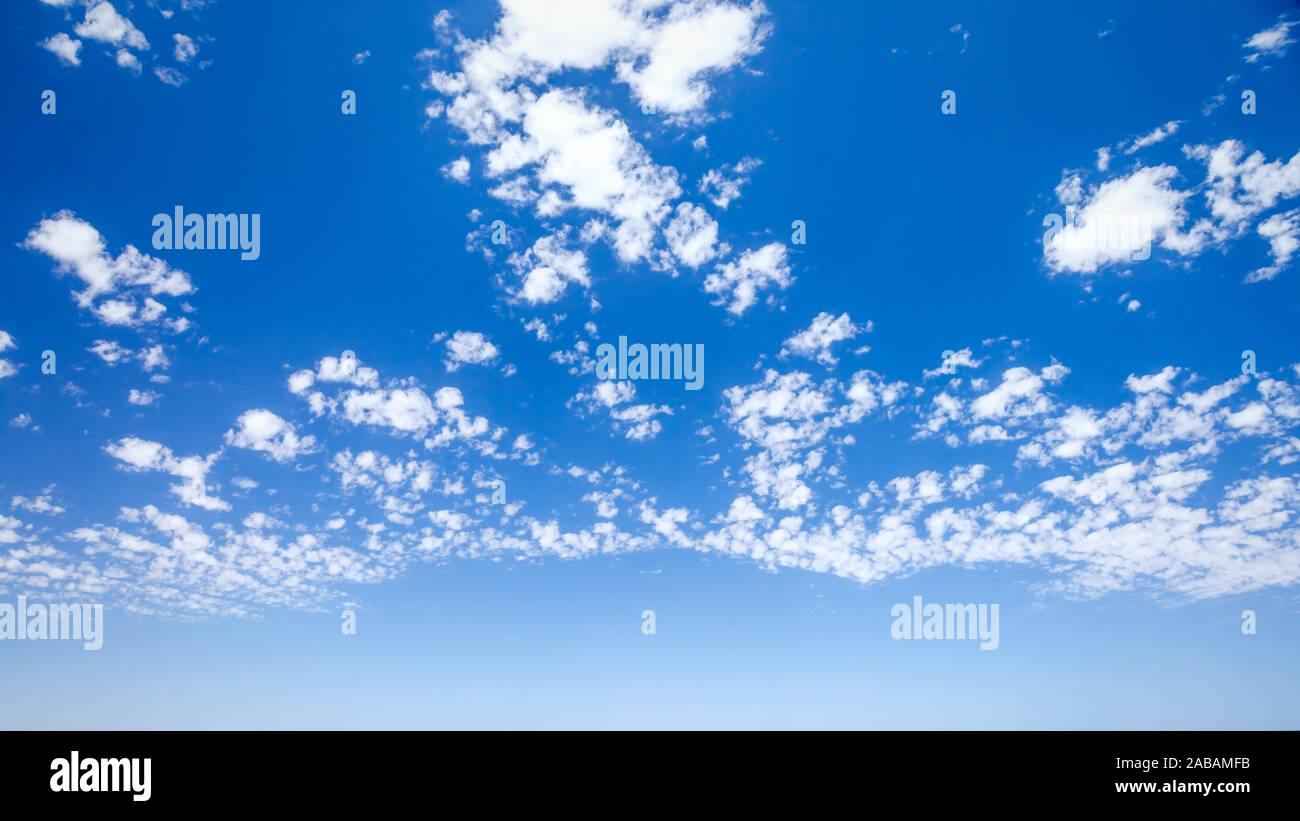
(1092, 458)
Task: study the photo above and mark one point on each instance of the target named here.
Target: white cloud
(153, 358)
(103, 23)
(261, 430)
(1271, 41)
(1161, 133)
(952, 360)
(1161, 382)
(587, 157)
(468, 348)
(170, 76)
(41, 504)
(637, 422)
(692, 235)
(63, 47)
(816, 340)
(457, 169)
(128, 61)
(402, 406)
(184, 49)
(691, 42)
(554, 150)
(547, 268)
(738, 282)
(1283, 234)
(1241, 189)
(722, 185)
(1120, 220)
(144, 455)
(662, 51)
(76, 246)
(1019, 394)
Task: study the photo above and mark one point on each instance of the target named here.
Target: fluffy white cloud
(6, 367)
(556, 151)
(637, 422)
(104, 24)
(662, 51)
(261, 430)
(400, 405)
(170, 76)
(43, 503)
(737, 283)
(128, 61)
(76, 246)
(1158, 135)
(816, 340)
(184, 49)
(145, 455)
(722, 185)
(468, 348)
(1019, 393)
(586, 158)
(457, 169)
(692, 235)
(1120, 221)
(63, 47)
(1240, 189)
(1283, 234)
(546, 269)
(692, 41)
(952, 360)
(1272, 41)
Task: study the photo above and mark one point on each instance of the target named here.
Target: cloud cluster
(575, 163)
(1117, 222)
(122, 290)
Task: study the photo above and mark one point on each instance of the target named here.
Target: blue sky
(929, 396)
